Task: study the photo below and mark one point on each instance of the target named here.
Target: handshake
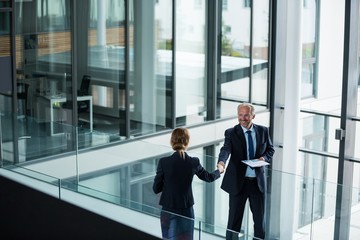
(221, 166)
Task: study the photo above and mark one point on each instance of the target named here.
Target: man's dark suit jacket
(235, 147)
(174, 178)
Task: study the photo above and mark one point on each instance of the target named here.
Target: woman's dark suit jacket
(174, 177)
(235, 147)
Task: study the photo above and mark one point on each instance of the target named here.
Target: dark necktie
(251, 144)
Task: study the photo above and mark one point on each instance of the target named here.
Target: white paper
(255, 163)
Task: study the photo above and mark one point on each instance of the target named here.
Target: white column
(101, 46)
(144, 57)
(284, 196)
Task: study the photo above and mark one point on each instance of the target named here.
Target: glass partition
(354, 231)
(24, 171)
(310, 24)
(284, 195)
(260, 52)
(317, 131)
(190, 55)
(51, 150)
(5, 3)
(236, 51)
(123, 175)
(103, 39)
(33, 140)
(129, 184)
(357, 140)
(33, 178)
(44, 59)
(151, 74)
(244, 55)
(322, 64)
(6, 86)
(7, 139)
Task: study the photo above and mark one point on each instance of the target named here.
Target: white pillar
(101, 46)
(284, 196)
(144, 62)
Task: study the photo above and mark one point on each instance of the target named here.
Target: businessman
(245, 140)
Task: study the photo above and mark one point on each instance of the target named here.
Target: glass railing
(41, 139)
(122, 176)
(288, 217)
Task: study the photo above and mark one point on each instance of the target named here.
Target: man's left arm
(268, 148)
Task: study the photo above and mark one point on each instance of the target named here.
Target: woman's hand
(221, 167)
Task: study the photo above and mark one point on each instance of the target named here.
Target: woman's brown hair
(179, 140)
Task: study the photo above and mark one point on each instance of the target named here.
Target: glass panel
(7, 138)
(211, 231)
(357, 124)
(316, 171)
(5, 60)
(260, 52)
(43, 55)
(318, 132)
(328, 87)
(357, 139)
(235, 56)
(150, 77)
(5, 49)
(190, 62)
(163, 64)
(323, 225)
(33, 142)
(202, 190)
(317, 205)
(176, 226)
(312, 200)
(36, 175)
(309, 44)
(105, 47)
(355, 213)
(5, 4)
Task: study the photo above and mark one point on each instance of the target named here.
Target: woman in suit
(173, 179)
(245, 141)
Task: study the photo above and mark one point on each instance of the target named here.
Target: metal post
(1, 143)
(77, 153)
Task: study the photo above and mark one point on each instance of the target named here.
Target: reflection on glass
(318, 132)
(4, 34)
(357, 131)
(355, 214)
(190, 62)
(235, 55)
(33, 142)
(244, 35)
(106, 34)
(150, 77)
(43, 60)
(5, 58)
(357, 140)
(260, 52)
(311, 196)
(322, 68)
(310, 205)
(309, 43)
(5, 4)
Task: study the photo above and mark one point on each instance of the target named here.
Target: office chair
(83, 106)
(22, 96)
